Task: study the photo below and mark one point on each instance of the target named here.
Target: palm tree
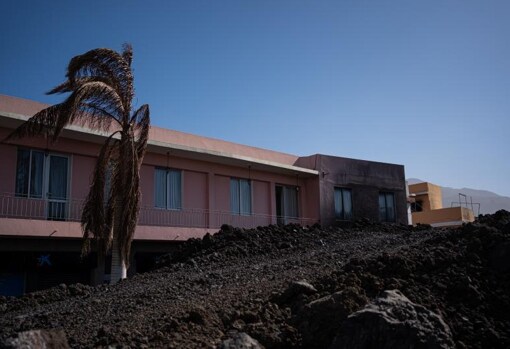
(100, 83)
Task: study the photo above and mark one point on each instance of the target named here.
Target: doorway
(286, 204)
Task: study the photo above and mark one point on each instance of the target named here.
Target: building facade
(190, 185)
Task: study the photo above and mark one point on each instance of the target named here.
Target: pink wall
(261, 196)
(81, 175)
(56, 229)
(7, 168)
(194, 190)
(195, 182)
(147, 185)
(263, 185)
(222, 193)
(309, 198)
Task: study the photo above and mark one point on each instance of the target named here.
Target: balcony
(16, 207)
(443, 217)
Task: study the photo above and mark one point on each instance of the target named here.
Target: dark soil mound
(289, 287)
(462, 274)
(232, 243)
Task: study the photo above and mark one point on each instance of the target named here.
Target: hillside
(293, 287)
(489, 202)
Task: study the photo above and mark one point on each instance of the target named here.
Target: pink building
(191, 185)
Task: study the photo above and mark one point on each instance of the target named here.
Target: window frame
(343, 215)
(168, 171)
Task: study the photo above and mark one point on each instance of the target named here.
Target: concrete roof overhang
(228, 159)
(13, 120)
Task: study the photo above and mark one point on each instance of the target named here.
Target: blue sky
(425, 84)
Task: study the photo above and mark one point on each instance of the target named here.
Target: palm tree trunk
(119, 270)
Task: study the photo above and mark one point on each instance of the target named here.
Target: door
(56, 186)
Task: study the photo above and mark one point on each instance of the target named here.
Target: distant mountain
(489, 202)
(414, 181)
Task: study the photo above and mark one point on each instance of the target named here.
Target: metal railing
(465, 203)
(12, 206)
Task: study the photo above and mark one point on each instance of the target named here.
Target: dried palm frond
(69, 86)
(142, 122)
(95, 221)
(42, 123)
(107, 64)
(127, 53)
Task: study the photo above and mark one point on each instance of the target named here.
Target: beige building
(427, 207)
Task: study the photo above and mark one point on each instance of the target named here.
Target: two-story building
(190, 185)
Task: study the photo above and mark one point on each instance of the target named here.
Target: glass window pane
(245, 197)
(347, 203)
(57, 184)
(390, 207)
(36, 174)
(174, 186)
(387, 207)
(343, 203)
(339, 207)
(290, 202)
(234, 196)
(160, 188)
(22, 172)
(382, 207)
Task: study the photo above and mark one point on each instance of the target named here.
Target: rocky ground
(363, 285)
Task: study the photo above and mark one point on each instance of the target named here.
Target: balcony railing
(12, 206)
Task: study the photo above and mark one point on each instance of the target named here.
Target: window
(386, 207)
(29, 173)
(417, 206)
(168, 192)
(343, 204)
(240, 196)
